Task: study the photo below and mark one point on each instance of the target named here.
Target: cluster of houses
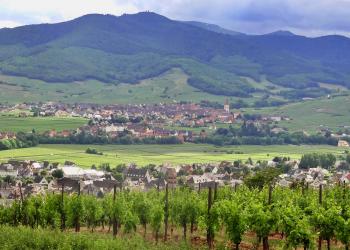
(148, 120)
(343, 144)
(140, 121)
(25, 178)
(7, 135)
(144, 121)
(314, 177)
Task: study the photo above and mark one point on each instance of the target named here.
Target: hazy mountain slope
(214, 27)
(130, 48)
(167, 87)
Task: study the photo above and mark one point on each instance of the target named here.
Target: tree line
(251, 134)
(85, 138)
(247, 134)
(22, 140)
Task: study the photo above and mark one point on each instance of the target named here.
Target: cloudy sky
(306, 17)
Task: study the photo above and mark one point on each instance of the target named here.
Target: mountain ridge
(192, 23)
(133, 47)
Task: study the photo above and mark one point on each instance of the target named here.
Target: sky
(304, 17)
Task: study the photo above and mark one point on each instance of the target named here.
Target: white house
(93, 174)
(113, 128)
(73, 172)
(8, 170)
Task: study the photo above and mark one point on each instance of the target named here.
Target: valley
(141, 131)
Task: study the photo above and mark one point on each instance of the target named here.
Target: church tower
(227, 106)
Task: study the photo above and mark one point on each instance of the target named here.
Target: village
(184, 121)
(21, 179)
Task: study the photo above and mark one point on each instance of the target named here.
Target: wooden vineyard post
(270, 195)
(215, 191)
(209, 225)
(344, 196)
(77, 223)
(115, 223)
(343, 205)
(303, 189)
(320, 194)
(78, 188)
(158, 184)
(21, 193)
(63, 219)
(199, 188)
(320, 202)
(114, 192)
(269, 202)
(166, 212)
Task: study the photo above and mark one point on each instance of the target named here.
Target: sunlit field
(159, 154)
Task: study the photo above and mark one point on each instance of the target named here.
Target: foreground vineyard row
(302, 217)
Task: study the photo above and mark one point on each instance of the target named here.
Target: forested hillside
(131, 48)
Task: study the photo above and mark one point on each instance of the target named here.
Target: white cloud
(59, 10)
(9, 24)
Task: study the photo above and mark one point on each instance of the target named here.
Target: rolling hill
(131, 48)
(312, 116)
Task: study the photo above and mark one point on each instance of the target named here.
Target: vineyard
(210, 217)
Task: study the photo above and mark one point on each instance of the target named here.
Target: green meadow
(13, 123)
(159, 154)
(167, 87)
(313, 115)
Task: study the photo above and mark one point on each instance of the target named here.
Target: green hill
(313, 115)
(131, 48)
(168, 87)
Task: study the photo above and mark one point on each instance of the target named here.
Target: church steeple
(227, 106)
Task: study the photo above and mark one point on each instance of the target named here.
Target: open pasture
(312, 115)
(159, 154)
(13, 123)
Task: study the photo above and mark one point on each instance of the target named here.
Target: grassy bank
(22, 238)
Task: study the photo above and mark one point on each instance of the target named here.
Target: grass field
(10, 123)
(159, 154)
(167, 87)
(312, 115)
